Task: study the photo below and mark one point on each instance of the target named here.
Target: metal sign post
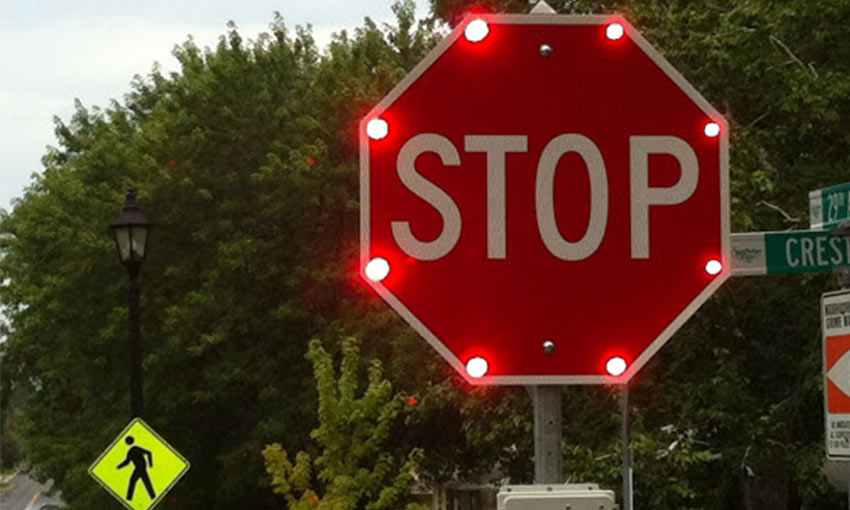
(548, 456)
(834, 321)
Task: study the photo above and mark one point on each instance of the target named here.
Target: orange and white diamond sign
(835, 317)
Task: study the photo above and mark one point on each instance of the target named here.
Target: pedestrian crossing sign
(139, 467)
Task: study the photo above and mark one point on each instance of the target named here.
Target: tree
(246, 165)
(246, 161)
(729, 414)
(744, 376)
(353, 467)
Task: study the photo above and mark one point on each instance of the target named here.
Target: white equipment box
(573, 496)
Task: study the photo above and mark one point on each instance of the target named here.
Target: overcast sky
(56, 50)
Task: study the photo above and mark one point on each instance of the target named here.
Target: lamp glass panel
(140, 235)
(122, 241)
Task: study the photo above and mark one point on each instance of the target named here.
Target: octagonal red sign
(543, 194)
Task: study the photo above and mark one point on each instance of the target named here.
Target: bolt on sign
(544, 199)
(139, 467)
(835, 322)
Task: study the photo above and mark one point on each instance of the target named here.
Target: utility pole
(842, 274)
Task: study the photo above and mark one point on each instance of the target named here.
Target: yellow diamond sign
(139, 467)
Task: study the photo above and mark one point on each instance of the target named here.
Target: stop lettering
(496, 148)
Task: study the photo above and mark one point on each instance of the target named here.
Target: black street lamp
(130, 231)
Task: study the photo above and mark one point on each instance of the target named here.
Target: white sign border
(671, 72)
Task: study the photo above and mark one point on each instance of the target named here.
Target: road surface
(24, 493)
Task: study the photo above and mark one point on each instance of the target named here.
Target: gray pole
(844, 281)
(548, 456)
(628, 504)
(843, 276)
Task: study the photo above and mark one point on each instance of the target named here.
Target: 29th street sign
(828, 207)
(544, 194)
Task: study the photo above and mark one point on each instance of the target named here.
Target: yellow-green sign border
(109, 448)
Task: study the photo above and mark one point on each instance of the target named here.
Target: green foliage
(353, 467)
(246, 164)
(743, 378)
(738, 390)
(453, 11)
(246, 161)
(11, 452)
(10, 447)
(778, 73)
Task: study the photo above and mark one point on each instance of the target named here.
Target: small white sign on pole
(835, 324)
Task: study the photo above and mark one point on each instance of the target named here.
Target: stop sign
(544, 199)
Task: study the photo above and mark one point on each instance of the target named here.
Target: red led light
(712, 129)
(614, 31)
(476, 367)
(377, 129)
(616, 366)
(377, 269)
(713, 267)
(476, 30)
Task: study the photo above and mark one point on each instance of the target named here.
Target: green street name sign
(829, 206)
(805, 251)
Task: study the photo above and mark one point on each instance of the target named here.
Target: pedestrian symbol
(139, 467)
(138, 456)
